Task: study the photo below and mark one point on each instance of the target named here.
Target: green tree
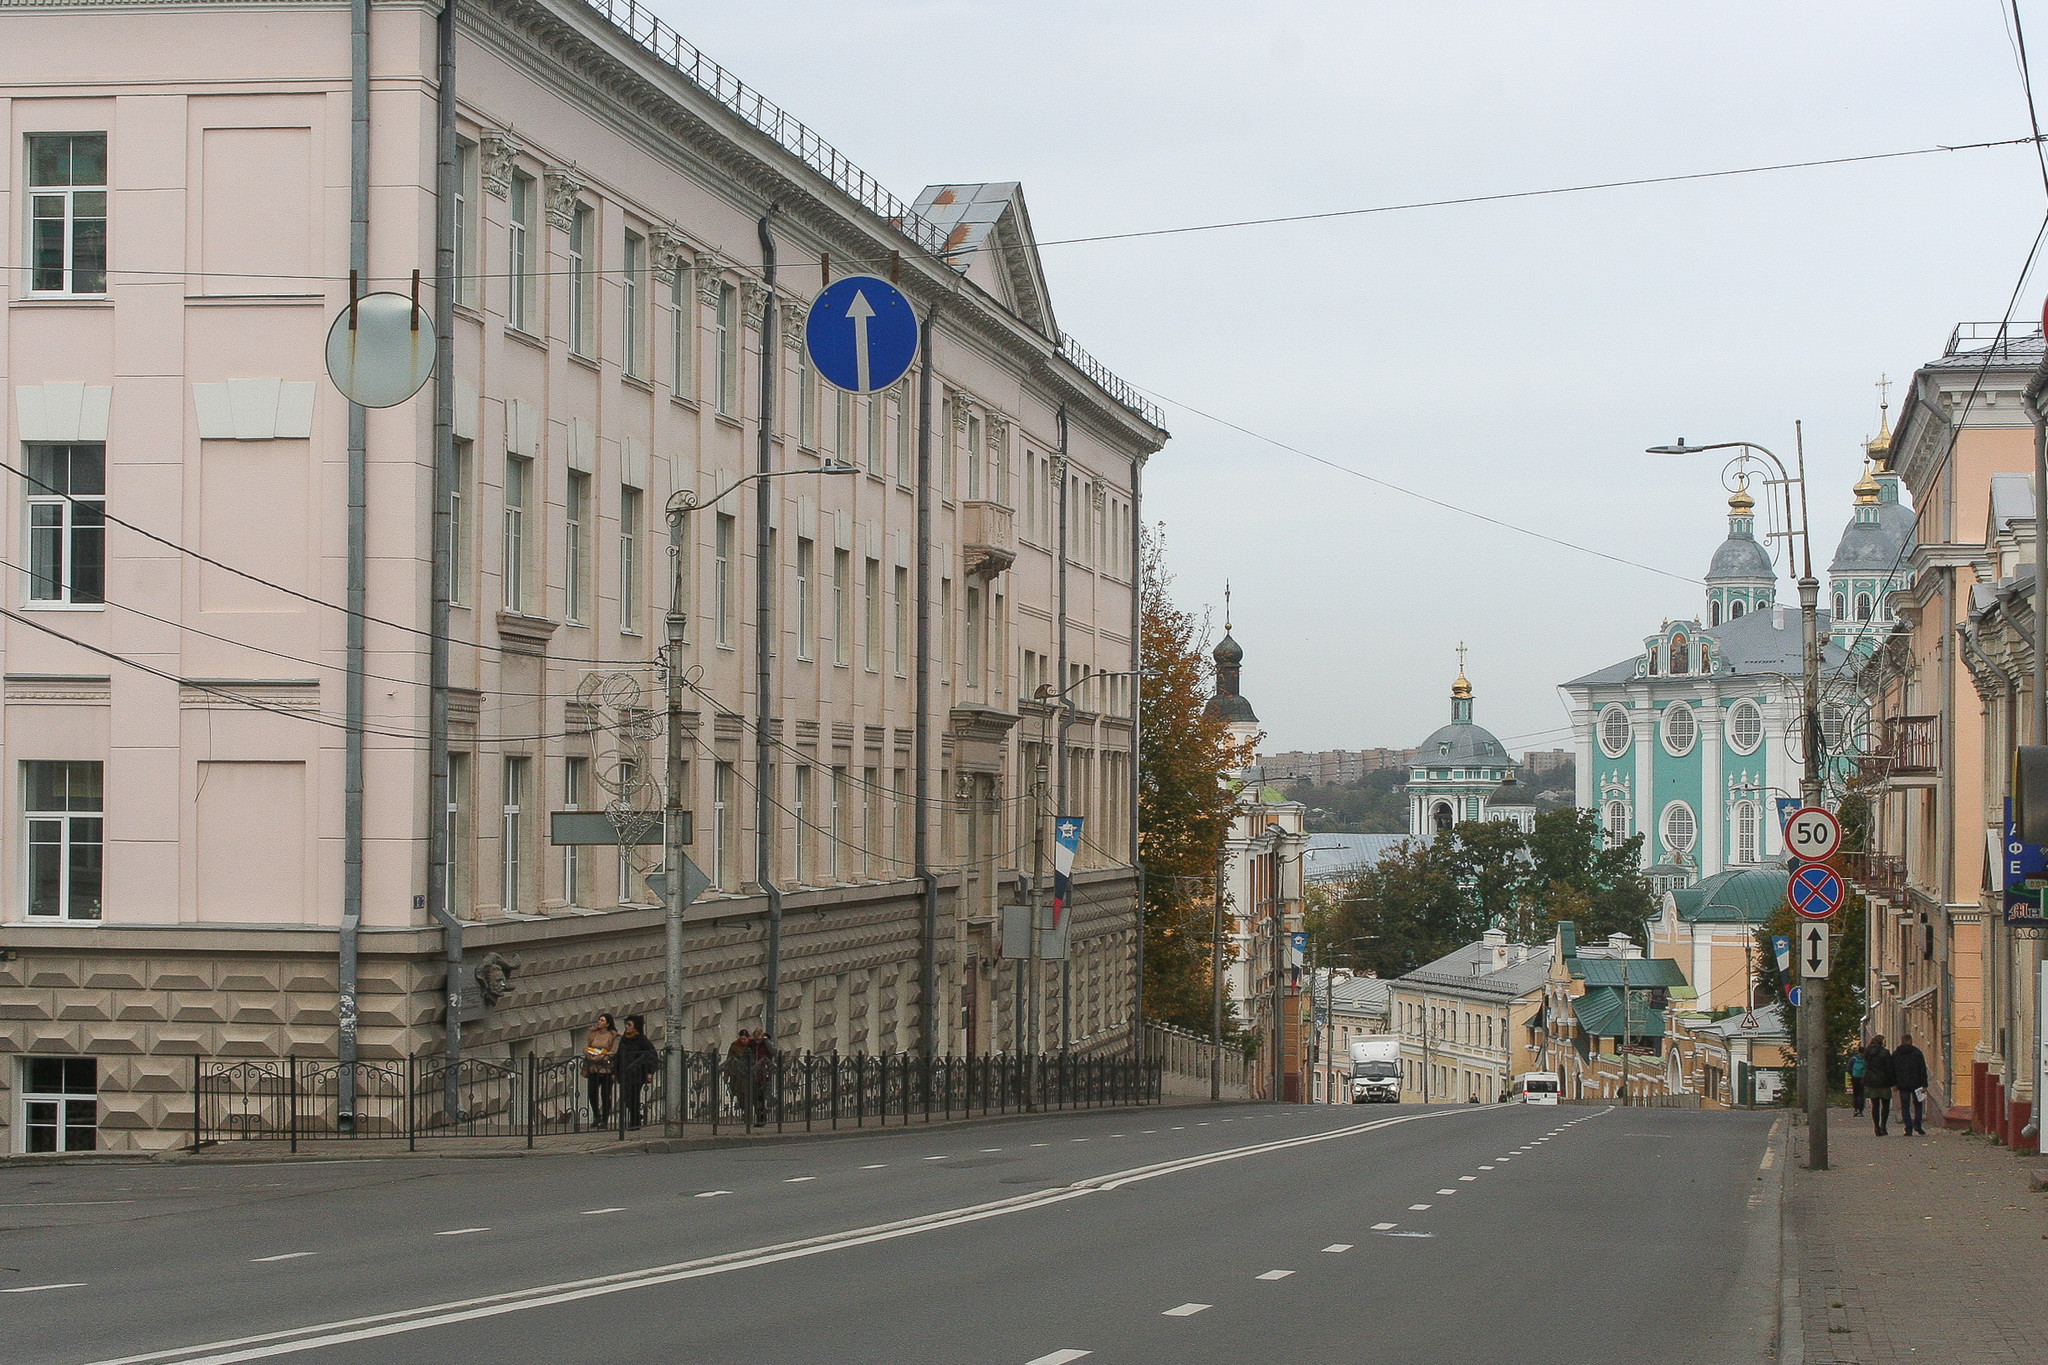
(1184, 807)
(1576, 876)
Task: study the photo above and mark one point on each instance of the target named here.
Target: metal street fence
(299, 1099)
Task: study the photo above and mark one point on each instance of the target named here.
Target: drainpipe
(346, 1012)
(443, 563)
(2039, 692)
(1060, 810)
(764, 585)
(1137, 733)
(928, 963)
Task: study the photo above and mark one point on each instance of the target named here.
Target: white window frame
(518, 490)
(1664, 718)
(458, 526)
(575, 785)
(512, 833)
(575, 546)
(582, 297)
(1737, 714)
(902, 405)
(468, 285)
(1749, 831)
(681, 298)
(728, 333)
(842, 607)
(519, 260)
(63, 1119)
(871, 643)
(630, 504)
(633, 306)
(806, 597)
(1673, 811)
(66, 197)
(67, 515)
(77, 827)
(800, 800)
(725, 531)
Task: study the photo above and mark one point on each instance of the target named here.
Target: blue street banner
(1066, 832)
(1781, 946)
(2024, 875)
(1786, 806)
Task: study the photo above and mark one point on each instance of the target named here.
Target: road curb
(1791, 1333)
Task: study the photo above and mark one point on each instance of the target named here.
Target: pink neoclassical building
(179, 840)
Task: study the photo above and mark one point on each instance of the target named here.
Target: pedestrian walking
(600, 1065)
(763, 1054)
(1909, 1074)
(637, 1061)
(1877, 1083)
(1856, 1081)
(739, 1071)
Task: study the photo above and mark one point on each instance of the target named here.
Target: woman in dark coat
(1877, 1083)
(637, 1061)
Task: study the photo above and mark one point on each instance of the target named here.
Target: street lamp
(1813, 992)
(679, 508)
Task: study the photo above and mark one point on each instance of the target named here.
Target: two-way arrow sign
(1813, 950)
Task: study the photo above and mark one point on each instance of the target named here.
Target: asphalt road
(1225, 1234)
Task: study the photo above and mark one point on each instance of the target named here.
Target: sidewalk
(1923, 1249)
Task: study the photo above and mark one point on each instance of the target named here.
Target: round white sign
(1813, 834)
(384, 358)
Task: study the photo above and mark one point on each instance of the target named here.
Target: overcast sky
(1512, 359)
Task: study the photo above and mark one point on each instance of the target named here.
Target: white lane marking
(36, 1288)
(586, 1214)
(1150, 1131)
(1230, 1120)
(460, 1232)
(288, 1256)
(1338, 1246)
(1382, 1227)
(1179, 1128)
(713, 1194)
(1765, 1164)
(1417, 1208)
(1120, 1134)
(995, 1149)
(66, 1203)
(1276, 1275)
(1468, 1177)
(1486, 1168)
(940, 1157)
(1203, 1124)
(1066, 1357)
(798, 1179)
(448, 1313)
(876, 1167)
(1186, 1310)
(1041, 1144)
(1077, 1139)
(1406, 1233)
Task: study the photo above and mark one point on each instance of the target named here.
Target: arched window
(1680, 828)
(1680, 729)
(1745, 726)
(1440, 817)
(1863, 606)
(1745, 832)
(1735, 610)
(1681, 655)
(1714, 612)
(1840, 613)
(1614, 728)
(1617, 823)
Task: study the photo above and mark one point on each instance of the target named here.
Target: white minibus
(1534, 1087)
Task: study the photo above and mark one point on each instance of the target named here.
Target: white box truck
(1376, 1069)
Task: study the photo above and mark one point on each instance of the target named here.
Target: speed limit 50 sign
(1812, 834)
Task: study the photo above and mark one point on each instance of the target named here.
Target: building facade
(174, 707)
(1464, 1020)
(1457, 771)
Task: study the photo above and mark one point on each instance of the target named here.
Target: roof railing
(1977, 337)
(803, 142)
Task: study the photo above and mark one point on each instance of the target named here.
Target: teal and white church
(1692, 741)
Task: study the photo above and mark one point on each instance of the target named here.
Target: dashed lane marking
(1338, 1246)
(798, 1179)
(1417, 1208)
(38, 1288)
(1469, 1177)
(940, 1157)
(876, 1167)
(460, 1232)
(713, 1194)
(1066, 1357)
(1276, 1275)
(1384, 1227)
(287, 1256)
(586, 1213)
(1186, 1310)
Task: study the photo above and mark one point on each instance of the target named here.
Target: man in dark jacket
(1909, 1074)
(1877, 1083)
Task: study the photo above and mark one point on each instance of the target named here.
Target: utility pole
(1628, 1019)
(1425, 1047)
(1279, 981)
(1216, 979)
(1036, 992)
(678, 624)
(1813, 991)
(764, 622)
(1060, 810)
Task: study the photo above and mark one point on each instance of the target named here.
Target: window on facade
(726, 325)
(871, 616)
(59, 1104)
(1614, 821)
(1714, 612)
(1841, 607)
(458, 525)
(67, 524)
(902, 650)
(633, 306)
(1680, 828)
(680, 338)
(878, 410)
(725, 826)
(629, 558)
(576, 547)
(842, 606)
(1863, 606)
(1680, 728)
(806, 399)
(518, 475)
(64, 829)
(455, 808)
(513, 836)
(519, 264)
(806, 598)
(973, 654)
(1745, 726)
(468, 286)
(1834, 728)
(901, 404)
(1614, 731)
(582, 294)
(575, 791)
(1746, 850)
(67, 195)
(973, 457)
(1735, 609)
(800, 811)
(721, 580)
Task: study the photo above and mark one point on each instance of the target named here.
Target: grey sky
(1511, 358)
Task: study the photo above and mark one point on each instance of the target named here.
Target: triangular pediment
(989, 240)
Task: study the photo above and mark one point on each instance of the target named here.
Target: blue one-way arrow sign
(861, 334)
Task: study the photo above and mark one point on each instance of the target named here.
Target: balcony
(1912, 744)
(988, 537)
(1882, 874)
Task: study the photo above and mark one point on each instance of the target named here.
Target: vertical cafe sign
(2024, 875)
